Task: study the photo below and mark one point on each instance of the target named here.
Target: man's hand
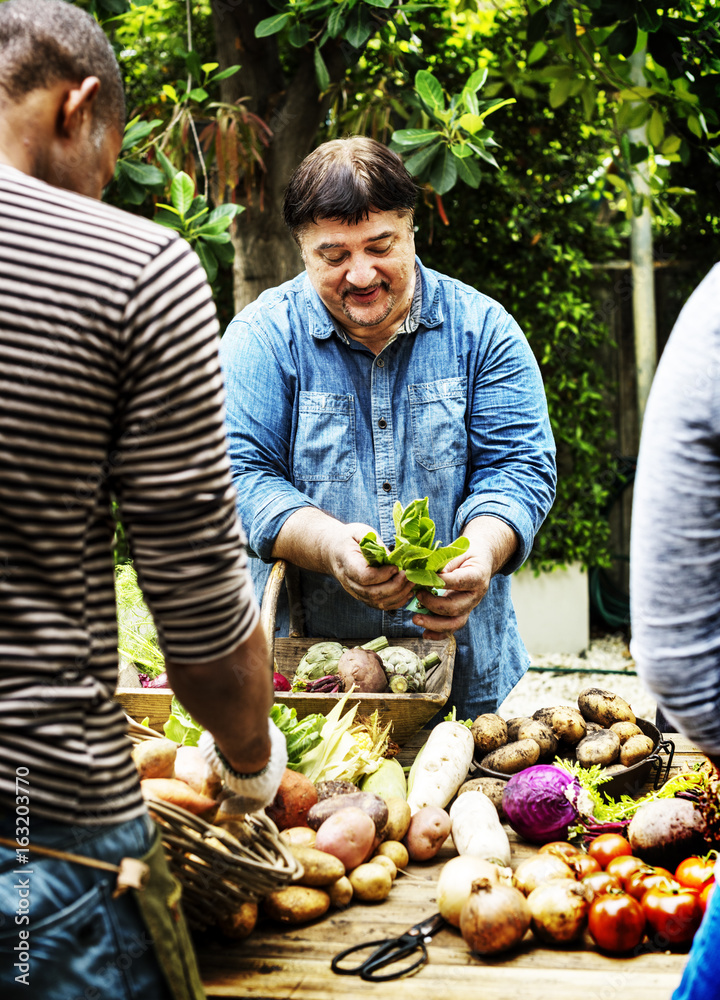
(384, 587)
(467, 577)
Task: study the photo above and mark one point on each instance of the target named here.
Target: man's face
(363, 273)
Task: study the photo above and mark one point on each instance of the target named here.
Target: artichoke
(404, 668)
(321, 659)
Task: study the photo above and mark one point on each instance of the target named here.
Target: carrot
(178, 794)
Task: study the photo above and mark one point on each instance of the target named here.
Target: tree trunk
(265, 253)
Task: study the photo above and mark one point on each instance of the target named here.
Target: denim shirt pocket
(438, 422)
(325, 438)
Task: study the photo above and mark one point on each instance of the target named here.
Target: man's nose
(361, 271)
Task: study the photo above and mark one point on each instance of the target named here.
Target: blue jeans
(700, 978)
(78, 943)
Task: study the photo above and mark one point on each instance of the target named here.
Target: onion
(161, 681)
(494, 917)
(540, 803)
(456, 880)
(559, 911)
(281, 683)
(540, 868)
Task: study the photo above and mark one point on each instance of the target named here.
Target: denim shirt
(454, 411)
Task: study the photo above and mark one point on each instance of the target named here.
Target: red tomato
(584, 865)
(705, 894)
(616, 922)
(600, 882)
(643, 879)
(623, 866)
(695, 872)
(608, 846)
(674, 914)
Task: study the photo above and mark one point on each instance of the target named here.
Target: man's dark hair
(45, 41)
(346, 179)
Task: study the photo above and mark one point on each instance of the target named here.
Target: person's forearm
(495, 536)
(306, 539)
(231, 696)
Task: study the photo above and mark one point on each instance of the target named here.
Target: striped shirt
(110, 385)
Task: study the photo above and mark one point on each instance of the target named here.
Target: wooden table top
(277, 963)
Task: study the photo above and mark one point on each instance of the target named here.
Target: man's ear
(77, 104)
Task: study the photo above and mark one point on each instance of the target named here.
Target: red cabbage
(539, 803)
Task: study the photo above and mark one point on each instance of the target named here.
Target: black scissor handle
(386, 952)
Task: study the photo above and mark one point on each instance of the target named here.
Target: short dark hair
(346, 179)
(45, 41)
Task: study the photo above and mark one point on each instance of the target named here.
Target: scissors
(391, 950)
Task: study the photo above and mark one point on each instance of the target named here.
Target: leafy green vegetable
(137, 635)
(181, 727)
(344, 753)
(300, 736)
(416, 552)
(452, 717)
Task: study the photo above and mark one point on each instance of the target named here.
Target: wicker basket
(252, 863)
(408, 712)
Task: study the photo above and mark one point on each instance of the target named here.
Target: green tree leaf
(182, 192)
(271, 25)
(429, 90)
(656, 129)
(559, 92)
(410, 137)
(321, 71)
(443, 172)
(207, 259)
(419, 161)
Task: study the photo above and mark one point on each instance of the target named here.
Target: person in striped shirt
(110, 388)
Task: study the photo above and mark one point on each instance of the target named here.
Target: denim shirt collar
(321, 324)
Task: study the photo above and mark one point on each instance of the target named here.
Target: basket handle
(282, 570)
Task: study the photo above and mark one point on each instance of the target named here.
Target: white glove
(255, 791)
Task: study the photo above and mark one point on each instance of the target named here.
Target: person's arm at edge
(211, 692)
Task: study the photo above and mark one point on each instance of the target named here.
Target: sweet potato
(293, 800)
(178, 794)
(489, 732)
(372, 804)
(155, 758)
(192, 768)
(513, 757)
(605, 707)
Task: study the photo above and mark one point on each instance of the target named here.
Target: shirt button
(382, 422)
(380, 363)
(387, 487)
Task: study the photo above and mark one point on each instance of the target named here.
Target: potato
(593, 727)
(625, 730)
(348, 834)
(598, 748)
(635, 749)
(605, 707)
(293, 800)
(296, 904)
(387, 863)
(239, 924)
(370, 883)
(230, 812)
(543, 735)
(177, 793)
(398, 819)
(489, 732)
(428, 831)
(298, 836)
(513, 757)
(319, 867)
(513, 725)
(340, 892)
(375, 807)
(615, 769)
(568, 725)
(155, 758)
(192, 768)
(397, 852)
(492, 787)
(544, 715)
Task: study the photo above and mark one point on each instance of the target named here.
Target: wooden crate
(408, 712)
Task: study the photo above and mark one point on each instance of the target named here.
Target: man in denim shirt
(370, 379)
